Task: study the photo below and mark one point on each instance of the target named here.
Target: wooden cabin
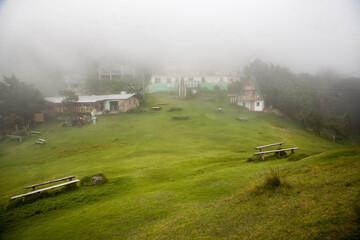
(102, 103)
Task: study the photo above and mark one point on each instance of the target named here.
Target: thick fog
(41, 38)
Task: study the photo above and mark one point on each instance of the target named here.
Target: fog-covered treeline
(18, 103)
(322, 101)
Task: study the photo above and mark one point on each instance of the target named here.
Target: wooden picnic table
(270, 145)
(278, 151)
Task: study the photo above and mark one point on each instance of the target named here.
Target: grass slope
(181, 179)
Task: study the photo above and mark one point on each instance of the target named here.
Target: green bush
(272, 181)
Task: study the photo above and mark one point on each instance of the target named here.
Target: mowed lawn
(181, 179)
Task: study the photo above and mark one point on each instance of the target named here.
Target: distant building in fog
(180, 82)
(250, 96)
(116, 71)
(102, 103)
(74, 82)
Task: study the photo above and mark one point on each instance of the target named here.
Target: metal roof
(94, 98)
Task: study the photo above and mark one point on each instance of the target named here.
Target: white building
(249, 97)
(172, 82)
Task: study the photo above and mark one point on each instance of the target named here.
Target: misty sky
(68, 36)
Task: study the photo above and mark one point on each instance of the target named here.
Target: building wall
(86, 108)
(244, 104)
(58, 109)
(170, 83)
(259, 106)
(255, 106)
(126, 105)
(163, 87)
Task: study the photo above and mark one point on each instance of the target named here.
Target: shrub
(272, 181)
(86, 181)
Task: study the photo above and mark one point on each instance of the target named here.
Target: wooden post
(262, 156)
(292, 150)
(278, 154)
(280, 145)
(259, 149)
(33, 188)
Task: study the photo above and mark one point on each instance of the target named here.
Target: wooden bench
(278, 151)
(40, 141)
(48, 188)
(34, 132)
(14, 137)
(270, 145)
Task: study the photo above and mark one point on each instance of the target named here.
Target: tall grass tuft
(272, 181)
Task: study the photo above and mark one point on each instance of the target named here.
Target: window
(168, 80)
(157, 80)
(258, 104)
(203, 80)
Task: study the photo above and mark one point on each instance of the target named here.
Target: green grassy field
(181, 179)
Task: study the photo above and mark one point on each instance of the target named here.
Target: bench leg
(292, 151)
(262, 156)
(278, 154)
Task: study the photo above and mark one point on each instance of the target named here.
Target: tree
(69, 101)
(18, 103)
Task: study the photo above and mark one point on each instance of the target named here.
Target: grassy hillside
(181, 179)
